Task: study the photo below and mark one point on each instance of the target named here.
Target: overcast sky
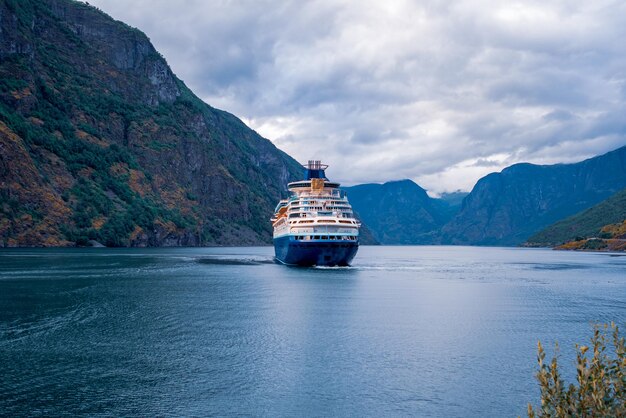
(441, 92)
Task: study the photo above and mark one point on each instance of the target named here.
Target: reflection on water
(427, 331)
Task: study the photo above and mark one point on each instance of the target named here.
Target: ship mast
(314, 169)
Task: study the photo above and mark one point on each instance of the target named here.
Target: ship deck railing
(335, 193)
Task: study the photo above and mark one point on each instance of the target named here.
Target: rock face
(400, 212)
(506, 208)
(100, 141)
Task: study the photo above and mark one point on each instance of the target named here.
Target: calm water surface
(423, 331)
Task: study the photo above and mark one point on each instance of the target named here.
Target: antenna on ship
(314, 169)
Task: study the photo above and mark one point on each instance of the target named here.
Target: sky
(440, 92)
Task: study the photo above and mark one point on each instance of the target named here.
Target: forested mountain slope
(100, 140)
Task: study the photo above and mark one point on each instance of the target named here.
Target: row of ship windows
(319, 202)
(322, 246)
(333, 237)
(319, 199)
(309, 208)
(303, 215)
(324, 221)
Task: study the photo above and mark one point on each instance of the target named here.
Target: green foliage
(160, 146)
(8, 84)
(16, 123)
(91, 201)
(12, 209)
(600, 389)
(595, 244)
(23, 10)
(7, 203)
(117, 229)
(190, 100)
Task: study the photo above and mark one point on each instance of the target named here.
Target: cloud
(433, 91)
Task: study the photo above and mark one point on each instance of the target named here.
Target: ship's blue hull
(314, 252)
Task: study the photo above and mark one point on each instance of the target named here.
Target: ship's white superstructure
(317, 212)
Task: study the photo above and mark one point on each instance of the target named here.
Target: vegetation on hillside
(52, 130)
(611, 238)
(586, 224)
(589, 229)
(102, 142)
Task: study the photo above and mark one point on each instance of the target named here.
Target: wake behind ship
(315, 225)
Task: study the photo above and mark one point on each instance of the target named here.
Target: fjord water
(426, 331)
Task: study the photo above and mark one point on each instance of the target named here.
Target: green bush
(595, 244)
(600, 389)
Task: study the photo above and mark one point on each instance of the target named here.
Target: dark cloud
(440, 92)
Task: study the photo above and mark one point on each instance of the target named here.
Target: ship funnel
(315, 170)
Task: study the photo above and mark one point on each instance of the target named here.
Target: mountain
(366, 236)
(450, 204)
(586, 224)
(101, 141)
(508, 207)
(400, 212)
(454, 199)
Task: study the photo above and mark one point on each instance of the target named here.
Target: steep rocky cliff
(400, 212)
(99, 140)
(506, 208)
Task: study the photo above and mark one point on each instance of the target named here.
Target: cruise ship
(315, 225)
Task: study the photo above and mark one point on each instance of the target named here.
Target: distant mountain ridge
(502, 209)
(454, 199)
(508, 207)
(400, 212)
(101, 141)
